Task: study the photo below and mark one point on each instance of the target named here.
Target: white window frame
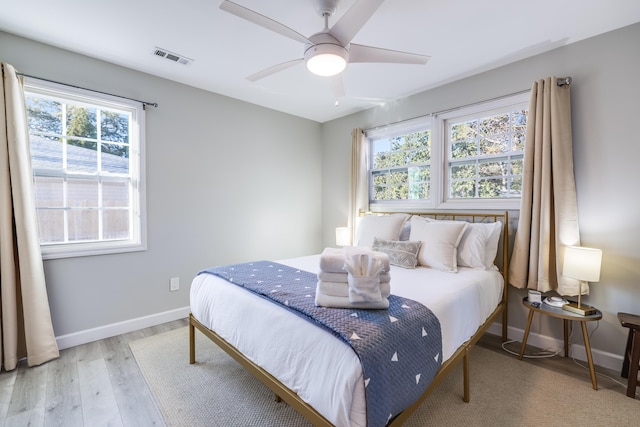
(138, 237)
(395, 129)
(439, 157)
(518, 101)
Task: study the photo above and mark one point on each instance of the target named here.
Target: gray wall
(227, 181)
(605, 111)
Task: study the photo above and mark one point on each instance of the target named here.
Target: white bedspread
(321, 369)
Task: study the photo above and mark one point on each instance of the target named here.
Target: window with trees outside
(470, 157)
(87, 161)
(400, 163)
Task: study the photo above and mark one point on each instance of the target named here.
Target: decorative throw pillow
(385, 227)
(440, 241)
(401, 253)
(479, 245)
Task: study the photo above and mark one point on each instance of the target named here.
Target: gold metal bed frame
(462, 353)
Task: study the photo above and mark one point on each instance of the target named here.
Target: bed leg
(277, 398)
(192, 342)
(465, 369)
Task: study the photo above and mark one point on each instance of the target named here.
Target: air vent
(171, 56)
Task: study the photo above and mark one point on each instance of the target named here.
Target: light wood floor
(95, 384)
(100, 384)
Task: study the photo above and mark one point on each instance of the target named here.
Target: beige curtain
(359, 180)
(26, 329)
(549, 209)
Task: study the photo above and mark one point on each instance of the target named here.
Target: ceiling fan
(328, 52)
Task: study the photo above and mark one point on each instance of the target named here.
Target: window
(400, 163)
(471, 157)
(86, 156)
(485, 153)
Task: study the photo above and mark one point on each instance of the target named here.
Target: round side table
(566, 316)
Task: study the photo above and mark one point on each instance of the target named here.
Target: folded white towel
(342, 277)
(323, 300)
(364, 289)
(341, 289)
(351, 251)
(336, 289)
(363, 278)
(332, 260)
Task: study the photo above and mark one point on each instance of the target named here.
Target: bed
(321, 376)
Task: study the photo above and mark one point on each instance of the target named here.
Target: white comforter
(321, 369)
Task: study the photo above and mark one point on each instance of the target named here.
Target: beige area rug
(217, 391)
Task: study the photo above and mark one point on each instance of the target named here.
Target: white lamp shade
(582, 263)
(343, 236)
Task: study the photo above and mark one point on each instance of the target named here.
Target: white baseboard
(107, 331)
(577, 351)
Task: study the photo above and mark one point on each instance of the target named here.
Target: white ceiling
(463, 37)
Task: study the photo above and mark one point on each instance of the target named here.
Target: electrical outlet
(175, 284)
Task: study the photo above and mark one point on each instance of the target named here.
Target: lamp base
(583, 310)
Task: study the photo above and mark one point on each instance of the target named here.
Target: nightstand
(566, 316)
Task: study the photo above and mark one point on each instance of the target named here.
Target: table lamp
(343, 236)
(582, 264)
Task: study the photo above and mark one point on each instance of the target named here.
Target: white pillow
(384, 227)
(440, 241)
(492, 246)
(406, 230)
(479, 245)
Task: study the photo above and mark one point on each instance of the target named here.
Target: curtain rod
(144, 103)
(560, 82)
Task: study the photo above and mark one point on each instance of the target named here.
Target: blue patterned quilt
(400, 348)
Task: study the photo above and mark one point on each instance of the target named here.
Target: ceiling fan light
(326, 59)
(326, 64)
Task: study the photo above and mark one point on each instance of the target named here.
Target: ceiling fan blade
(353, 20)
(263, 21)
(337, 87)
(272, 70)
(361, 53)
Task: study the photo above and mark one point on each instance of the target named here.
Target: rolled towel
(323, 300)
(342, 277)
(332, 260)
(341, 289)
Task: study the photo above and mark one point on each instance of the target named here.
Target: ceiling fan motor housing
(326, 7)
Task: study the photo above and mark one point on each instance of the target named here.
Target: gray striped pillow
(401, 253)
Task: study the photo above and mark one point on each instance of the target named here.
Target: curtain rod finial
(564, 81)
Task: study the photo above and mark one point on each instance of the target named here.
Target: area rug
(217, 391)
